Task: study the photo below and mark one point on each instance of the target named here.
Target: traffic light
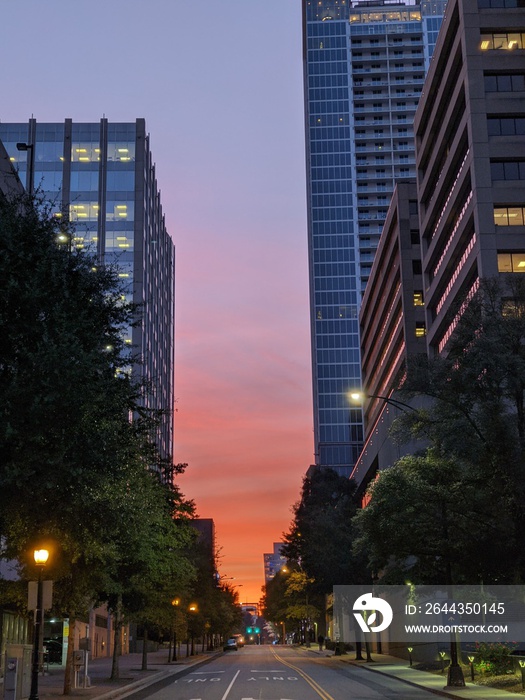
(256, 630)
(248, 630)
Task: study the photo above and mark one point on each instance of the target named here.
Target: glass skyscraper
(101, 176)
(364, 67)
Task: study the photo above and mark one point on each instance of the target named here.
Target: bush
(493, 658)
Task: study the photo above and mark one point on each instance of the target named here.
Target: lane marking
(213, 673)
(318, 689)
(258, 670)
(230, 686)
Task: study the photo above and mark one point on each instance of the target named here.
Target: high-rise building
(470, 145)
(392, 321)
(101, 177)
(273, 562)
(364, 67)
(470, 198)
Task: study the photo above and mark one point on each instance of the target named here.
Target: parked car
(231, 644)
(53, 651)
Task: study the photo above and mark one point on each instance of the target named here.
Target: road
(279, 673)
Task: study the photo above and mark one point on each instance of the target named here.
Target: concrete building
(470, 156)
(392, 322)
(470, 151)
(101, 177)
(364, 67)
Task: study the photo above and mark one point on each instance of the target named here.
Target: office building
(470, 146)
(101, 177)
(470, 197)
(364, 67)
(392, 323)
(273, 562)
(10, 184)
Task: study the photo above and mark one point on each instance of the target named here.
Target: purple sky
(220, 87)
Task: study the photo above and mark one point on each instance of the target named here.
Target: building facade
(364, 68)
(101, 177)
(273, 562)
(470, 145)
(392, 322)
(470, 197)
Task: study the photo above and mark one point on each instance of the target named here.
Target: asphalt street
(279, 673)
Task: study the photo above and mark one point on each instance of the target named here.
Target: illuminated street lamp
(193, 609)
(41, 556)
(358, 397)
(173, 657)
(455, 677)
(471, 664)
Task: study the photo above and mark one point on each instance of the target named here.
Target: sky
(220, 86)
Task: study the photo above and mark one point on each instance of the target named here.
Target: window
(421, 330)
(85, 152)
(416, 267)
(502, 41)
(87, 211)
(511, 262)
(507, 170)
(505, 83)
(122, 152)
(506, 126)
(418, 298)
(509, 216)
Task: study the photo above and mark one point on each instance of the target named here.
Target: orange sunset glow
(243, 419)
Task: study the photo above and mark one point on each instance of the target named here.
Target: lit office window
(511, 262)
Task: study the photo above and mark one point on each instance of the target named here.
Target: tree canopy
(321, 534)
(462, 503)
(79, 471)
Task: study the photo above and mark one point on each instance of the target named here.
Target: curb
(436, 691)
(156, 677)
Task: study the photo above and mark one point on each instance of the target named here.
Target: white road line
(255, 670)
(230, 686)
(195, 673)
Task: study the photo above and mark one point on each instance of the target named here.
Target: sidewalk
(132, 678)
(400, 669)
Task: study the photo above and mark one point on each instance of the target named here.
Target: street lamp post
(173, 656)
(41, 556)
(455, 678)
(24, 147)
(192, 609)
(358, 397)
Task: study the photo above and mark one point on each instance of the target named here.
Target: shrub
(493, 658)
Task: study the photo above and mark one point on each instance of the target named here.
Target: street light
(358, 397)
(192, 608)
(455, 677)
(173, 657)
(40, 556)
(24, 147)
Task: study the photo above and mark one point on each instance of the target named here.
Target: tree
(274, 603)
(75, 441)
(429, 521)
(321, 535)
(477, 417)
